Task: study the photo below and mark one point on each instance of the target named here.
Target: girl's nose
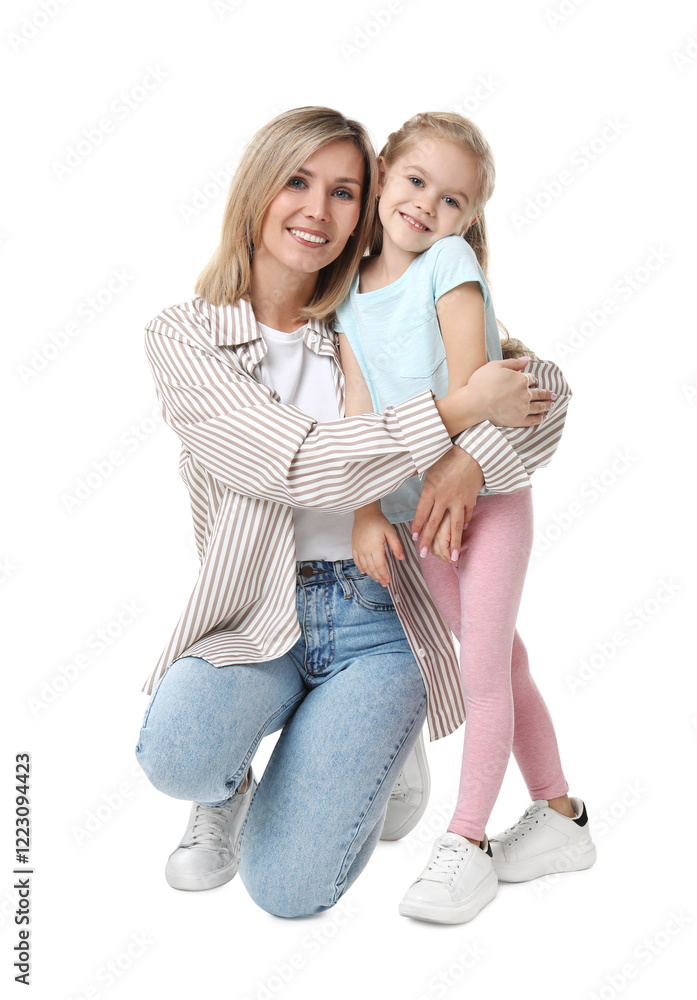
(424, 203)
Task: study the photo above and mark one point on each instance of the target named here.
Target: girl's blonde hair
(418, 132)
(267, 163)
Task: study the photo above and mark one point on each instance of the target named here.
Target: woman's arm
(505, 456)
(258, 447)
(509, 455)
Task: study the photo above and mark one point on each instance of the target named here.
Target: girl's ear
(382, 173)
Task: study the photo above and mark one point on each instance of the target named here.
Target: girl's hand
(507, 393)
(371, 532)
(451, 484)
(441, 541)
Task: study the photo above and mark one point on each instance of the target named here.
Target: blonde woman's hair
(418, 132)
(267, 163)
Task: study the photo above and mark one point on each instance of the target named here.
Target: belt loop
(344, 582)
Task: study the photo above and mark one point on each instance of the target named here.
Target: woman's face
(308, 223)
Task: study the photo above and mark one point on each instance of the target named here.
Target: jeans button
(307, 571)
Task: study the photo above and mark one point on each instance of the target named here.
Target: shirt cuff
(423, 429)
(501, 467)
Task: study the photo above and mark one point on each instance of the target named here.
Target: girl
(419, 316)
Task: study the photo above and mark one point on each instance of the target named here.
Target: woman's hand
(371, 532)
(507, 395)
(451, 484)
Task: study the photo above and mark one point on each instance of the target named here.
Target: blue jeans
(350, 701)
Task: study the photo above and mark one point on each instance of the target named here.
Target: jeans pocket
(370, 594)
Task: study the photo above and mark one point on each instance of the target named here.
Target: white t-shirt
(304, 379)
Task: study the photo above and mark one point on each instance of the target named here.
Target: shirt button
(313, 338)
(421, 652)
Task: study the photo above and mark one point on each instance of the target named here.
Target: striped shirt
(247, 458)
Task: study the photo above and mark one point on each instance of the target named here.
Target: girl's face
(427, 193)
(308, 223)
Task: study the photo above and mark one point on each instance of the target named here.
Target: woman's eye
(299, 180)
(345, 191)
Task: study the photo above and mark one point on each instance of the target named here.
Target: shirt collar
(234, 325)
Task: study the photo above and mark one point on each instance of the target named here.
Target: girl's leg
(534, 741)
(320, 805)
(490, 575)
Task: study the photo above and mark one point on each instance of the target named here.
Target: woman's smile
(309, 237)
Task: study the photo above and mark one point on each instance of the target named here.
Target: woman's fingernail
(423, 552)
(415, 536)
(553, 395)
(465, 525)
(454, 554)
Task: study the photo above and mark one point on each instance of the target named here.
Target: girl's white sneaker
(543, 841)
(458, 881)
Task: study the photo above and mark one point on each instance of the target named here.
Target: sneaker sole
(196, 883)
(453, 913)
(575, 859)
(409, 824)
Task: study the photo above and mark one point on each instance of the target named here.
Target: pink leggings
(479, 601)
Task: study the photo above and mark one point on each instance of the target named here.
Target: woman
(281, 630)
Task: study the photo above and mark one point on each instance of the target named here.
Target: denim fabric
(350, 701)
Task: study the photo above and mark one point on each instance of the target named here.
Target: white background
(611, 581)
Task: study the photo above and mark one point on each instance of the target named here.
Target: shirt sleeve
(454, 262)
(261, 448)
(509, 455)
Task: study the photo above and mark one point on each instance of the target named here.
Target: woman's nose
(318, 208)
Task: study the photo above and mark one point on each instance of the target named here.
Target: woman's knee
(287, 887)
(173, 748)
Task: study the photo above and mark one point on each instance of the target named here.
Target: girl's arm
(461, 317)
(355, 387)
(371, 529)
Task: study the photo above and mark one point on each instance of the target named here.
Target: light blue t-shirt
(395, 335)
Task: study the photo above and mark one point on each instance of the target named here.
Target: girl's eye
(417, 179)
(451, 201)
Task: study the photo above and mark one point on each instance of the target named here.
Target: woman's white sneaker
(208, 854)
(409, 796)
(543, 841)
(458, 881)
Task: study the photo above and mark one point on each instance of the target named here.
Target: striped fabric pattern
(246, 458)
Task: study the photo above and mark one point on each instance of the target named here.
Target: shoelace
(523, 826)
(400, 789)
(207, 827)
(442, 867)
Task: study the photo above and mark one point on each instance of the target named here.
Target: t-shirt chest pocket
(421, 349)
